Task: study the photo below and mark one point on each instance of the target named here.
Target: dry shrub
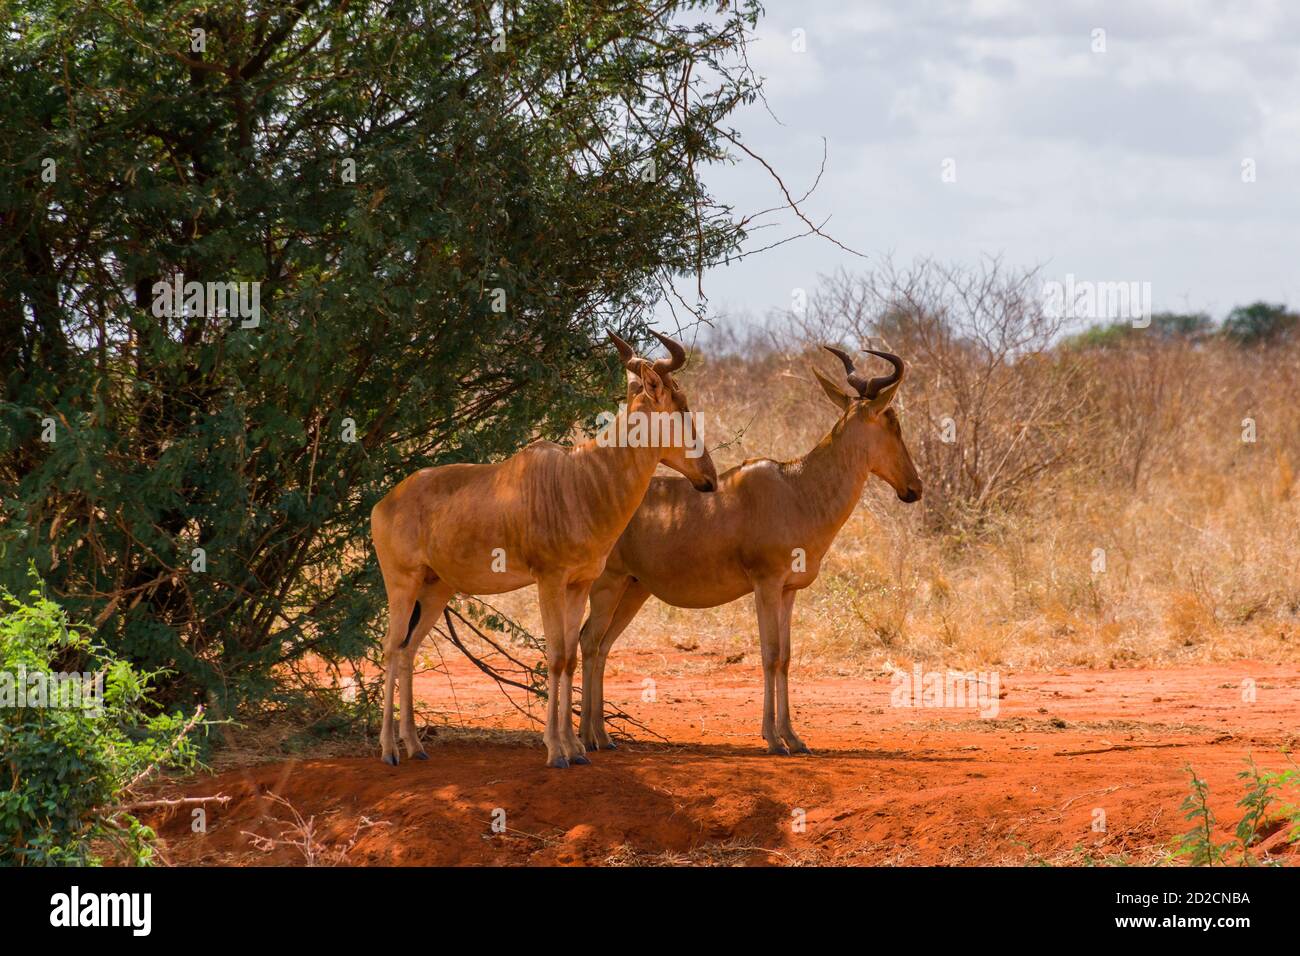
(993, 406)
(1137, 418)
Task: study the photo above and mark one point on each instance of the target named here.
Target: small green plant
(1260, 802)
(1197, 845)
(1259, 798)
(68, 768)
(1286, 779)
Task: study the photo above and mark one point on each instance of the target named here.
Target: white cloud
(1124, 164)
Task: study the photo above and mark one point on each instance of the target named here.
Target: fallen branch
(611, 712)
(480, 664)
(171, 748)
(1106, 750)
(178, 802)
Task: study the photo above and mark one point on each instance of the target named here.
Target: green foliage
(448, 301)
(63, 769)
(1259, 323)
(1259, 803)
(1181, 325)
(1197, 845)
(1164, 326)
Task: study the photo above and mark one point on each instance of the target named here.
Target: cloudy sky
(1111, 166)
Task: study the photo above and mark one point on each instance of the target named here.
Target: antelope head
(654, 396)
(871, 409)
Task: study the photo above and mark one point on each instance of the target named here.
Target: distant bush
(1165, 326)
(68, 768)
(1259, 324)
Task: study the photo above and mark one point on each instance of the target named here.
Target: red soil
(886, 786)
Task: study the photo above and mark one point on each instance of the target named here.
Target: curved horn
(876, 385)
(859, 383)
(626, 353)
(675, 350)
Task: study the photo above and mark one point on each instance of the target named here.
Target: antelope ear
(651, 383)
(833, 391)
(633, 382)
(884, 398)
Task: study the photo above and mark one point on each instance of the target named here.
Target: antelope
(765, 531)
(548, 515)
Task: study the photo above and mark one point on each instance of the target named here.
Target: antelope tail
(410, 628)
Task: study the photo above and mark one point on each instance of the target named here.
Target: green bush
(440, 229)
(1165, 326)
(66, 769)
(1259, 323)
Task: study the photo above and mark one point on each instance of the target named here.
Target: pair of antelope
(592, 521)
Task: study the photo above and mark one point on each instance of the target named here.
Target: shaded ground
(887, 785)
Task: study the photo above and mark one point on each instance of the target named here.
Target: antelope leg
(767, 604)
(783, 726)
(576, 598)
(612, 609)
(401, 603)
(551, 594)
(432, 600)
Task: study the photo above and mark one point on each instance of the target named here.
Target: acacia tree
(442, 205)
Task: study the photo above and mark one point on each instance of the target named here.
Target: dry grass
(727, 853)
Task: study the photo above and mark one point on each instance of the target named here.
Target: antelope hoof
(390, 759)
(579, 759)
(779, 750)
(609, 745)
(414, 751)
(559, 763)
(802, 749)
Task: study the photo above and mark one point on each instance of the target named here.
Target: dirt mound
(1068, 752)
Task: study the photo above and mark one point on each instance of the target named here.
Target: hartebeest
(765, 530)
(549, 514)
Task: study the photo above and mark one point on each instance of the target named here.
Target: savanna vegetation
(1093, 496)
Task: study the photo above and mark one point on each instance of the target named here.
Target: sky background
(1117, 166)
